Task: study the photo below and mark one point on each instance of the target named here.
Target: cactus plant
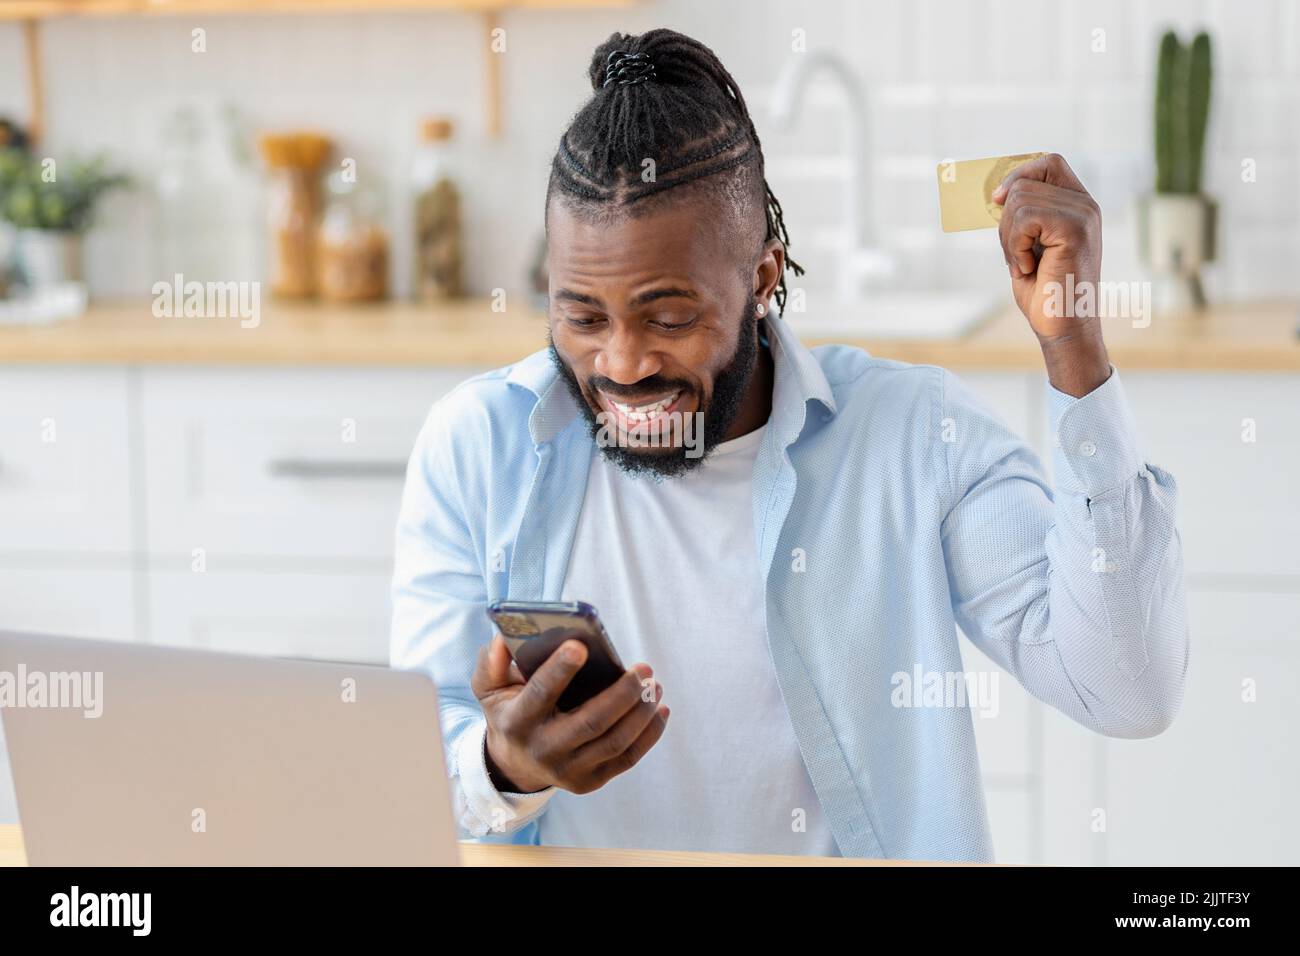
(1198, 108)
(1182, 111)
(1166, 83)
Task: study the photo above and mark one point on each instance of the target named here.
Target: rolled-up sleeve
(1076, 590)
(439, 623)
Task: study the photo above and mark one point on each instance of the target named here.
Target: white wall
(945, 79)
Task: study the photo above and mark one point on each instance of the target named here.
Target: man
(821, 533)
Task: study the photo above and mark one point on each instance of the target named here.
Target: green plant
(37, 193)
(1182, 112)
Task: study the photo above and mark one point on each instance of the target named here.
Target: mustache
(640, 388)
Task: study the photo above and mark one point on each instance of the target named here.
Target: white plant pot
(47, 257)
(1176, 236)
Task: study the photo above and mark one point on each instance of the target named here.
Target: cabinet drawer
(63, 460)
(1229, 768)
(281, 461)
(327, 616)
(70, 602)
(1236, 498)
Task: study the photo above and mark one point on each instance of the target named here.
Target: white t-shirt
(672, 567)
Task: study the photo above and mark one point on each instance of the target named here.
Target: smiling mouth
(647, 416)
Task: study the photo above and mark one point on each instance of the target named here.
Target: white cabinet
(1219, 786)
(1216, 788)
(1011, 821)
(1232, 442)
(59, 599)
(307, 463)
(1004, 736)
(324, 616)
(64, 468)
(271, 501)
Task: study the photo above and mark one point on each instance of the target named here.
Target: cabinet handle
(311, 468)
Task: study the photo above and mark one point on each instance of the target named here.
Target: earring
(762, 309)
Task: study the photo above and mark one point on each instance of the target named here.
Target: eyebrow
(644, 298)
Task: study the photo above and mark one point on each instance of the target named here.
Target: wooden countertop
(1247, 337)
(475, 854)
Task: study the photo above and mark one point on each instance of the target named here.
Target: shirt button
(1087, 449)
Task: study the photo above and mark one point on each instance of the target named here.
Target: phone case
(534, 629)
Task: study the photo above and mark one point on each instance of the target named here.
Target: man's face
(653, 330)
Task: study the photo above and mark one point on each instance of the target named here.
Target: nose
(626, 359)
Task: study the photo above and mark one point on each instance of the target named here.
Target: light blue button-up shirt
(891, 506)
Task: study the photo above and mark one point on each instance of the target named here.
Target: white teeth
(640, 413)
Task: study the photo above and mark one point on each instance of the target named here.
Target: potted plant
(50, 206)
(1177, 223)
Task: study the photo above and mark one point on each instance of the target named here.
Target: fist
(1050, 229)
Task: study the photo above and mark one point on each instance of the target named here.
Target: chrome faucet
(862, 259)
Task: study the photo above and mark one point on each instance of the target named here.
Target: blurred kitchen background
(380, 169)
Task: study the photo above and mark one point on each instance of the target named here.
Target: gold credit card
(966, 190)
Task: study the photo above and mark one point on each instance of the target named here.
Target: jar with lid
(204, 154)
(438, 244)
(294, 161)
(352, 245)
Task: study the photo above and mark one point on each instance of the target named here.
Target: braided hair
(665, 97)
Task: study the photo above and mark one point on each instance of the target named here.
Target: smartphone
(534, 629)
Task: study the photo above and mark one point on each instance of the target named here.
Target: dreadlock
(665, 97)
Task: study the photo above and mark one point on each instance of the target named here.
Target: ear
(769, 269)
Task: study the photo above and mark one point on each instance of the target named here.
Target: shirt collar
(798, 379)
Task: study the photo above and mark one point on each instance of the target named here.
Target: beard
(718, 412)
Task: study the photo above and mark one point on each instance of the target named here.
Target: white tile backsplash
(943, 78)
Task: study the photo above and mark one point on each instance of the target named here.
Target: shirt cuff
(1094, 439)
(490, 811)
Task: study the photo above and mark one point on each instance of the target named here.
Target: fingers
(630, 757)
(603, 711)
(1027, 225)
(542, 691)
(624, 733)
(1051, 169)
(493, 669)
(1043, 213)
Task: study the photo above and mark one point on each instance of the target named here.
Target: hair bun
(617, 43)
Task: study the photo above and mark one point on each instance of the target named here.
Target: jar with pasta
(294, 162)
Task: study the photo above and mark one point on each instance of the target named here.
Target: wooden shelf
(45, 9)
(32, 12)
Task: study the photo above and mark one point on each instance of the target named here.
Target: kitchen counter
(1248, 337)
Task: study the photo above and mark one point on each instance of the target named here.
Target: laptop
(133, 754)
